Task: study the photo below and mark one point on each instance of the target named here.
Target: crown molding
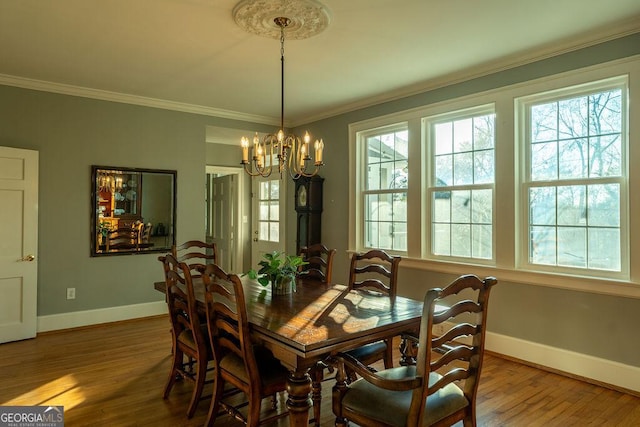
(104, 95)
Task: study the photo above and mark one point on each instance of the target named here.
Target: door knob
(255, 239)
(28, 258)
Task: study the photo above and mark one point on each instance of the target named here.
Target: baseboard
(599, 370)
(76, 319)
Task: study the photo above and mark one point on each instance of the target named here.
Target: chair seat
(391, 407)
(363, 353)
(186, 338)
(271, 371)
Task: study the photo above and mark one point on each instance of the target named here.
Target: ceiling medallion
(307, 17)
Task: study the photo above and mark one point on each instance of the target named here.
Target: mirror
(133, 210)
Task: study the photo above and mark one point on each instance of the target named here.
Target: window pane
(542, 205)
(604, 249)
(544, 122)
(572, 205)
(481, 243)
(462, 135)
(442, 206)
(264, 211)
(263, 226)
(482, 206)
(274, 211)
(373, 177)
(572, 122)
(264, 190)
(441, 242)
(483, 167)
(461, 206)
(399, 236)
(605, 156)
(444, 138)
(275, 189)
(604, 205)
(463, 169)
(606, 112)
(460, 240)
(544, 161)
(572, 246)
(574, 159)
(543, 245)
(274, 232)
(444, 170)
(483, 132)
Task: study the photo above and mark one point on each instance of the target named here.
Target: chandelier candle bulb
(245, 150)
(319, 147)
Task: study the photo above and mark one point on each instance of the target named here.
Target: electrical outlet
(439, 329)
(71, 293)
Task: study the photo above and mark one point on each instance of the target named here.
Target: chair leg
(388, 354)
(214, 407)
(173, 373)
(253, 412)
(200, 377)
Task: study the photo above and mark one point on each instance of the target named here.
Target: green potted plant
(279, 270)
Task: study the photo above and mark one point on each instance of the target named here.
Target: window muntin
(574, 191)
(385, 190)
(461, 190)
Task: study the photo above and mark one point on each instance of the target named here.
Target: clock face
(302, 196)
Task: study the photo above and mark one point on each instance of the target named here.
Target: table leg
(408, 352)
(299, 402)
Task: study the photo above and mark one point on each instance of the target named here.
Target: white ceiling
(192, 54)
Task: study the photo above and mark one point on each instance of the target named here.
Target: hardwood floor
(113, 375)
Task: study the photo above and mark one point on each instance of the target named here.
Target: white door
(268, 204)
(18, 243)
(223, 229)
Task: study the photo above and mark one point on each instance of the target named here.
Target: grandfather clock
(309, 210)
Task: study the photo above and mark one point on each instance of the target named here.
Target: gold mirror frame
(133, 210)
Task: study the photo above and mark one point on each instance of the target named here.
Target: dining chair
(441, 389)
(375, 271)
(238, 361)
(196, 250)
(319, 260)
(122, 238)
(190, 339)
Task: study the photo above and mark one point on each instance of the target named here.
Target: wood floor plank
(113, 375)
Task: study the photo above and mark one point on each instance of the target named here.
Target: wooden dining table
(314, 322)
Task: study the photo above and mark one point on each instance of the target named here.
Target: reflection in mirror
(133, 210)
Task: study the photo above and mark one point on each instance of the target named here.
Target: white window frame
(362, 191)
(523, 109)
(428, 124)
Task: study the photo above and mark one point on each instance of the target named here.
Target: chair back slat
(319, 260)
(374, 270)
(206, 253)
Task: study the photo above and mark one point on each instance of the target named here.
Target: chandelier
(109, 181)
(288, 152)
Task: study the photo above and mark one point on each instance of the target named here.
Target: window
(269, 210)
(461, 183)
(574, 182)
(385, 189)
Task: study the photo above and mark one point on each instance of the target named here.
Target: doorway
(224, 216)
